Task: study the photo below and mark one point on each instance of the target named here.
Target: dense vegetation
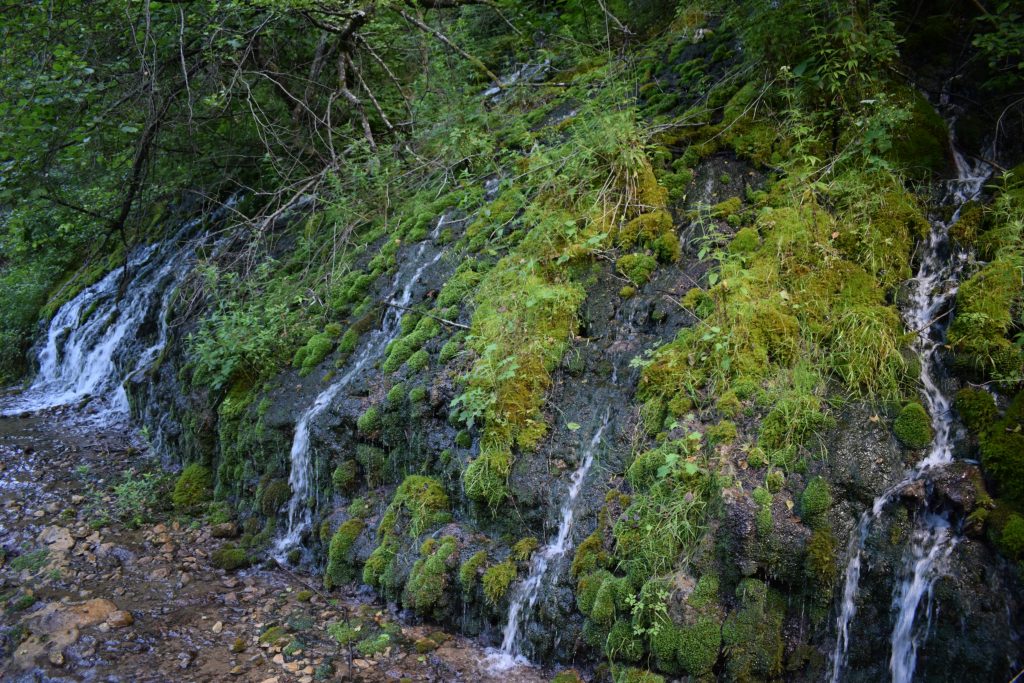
(122, 118)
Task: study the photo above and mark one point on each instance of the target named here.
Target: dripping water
(934, 287)
(299, 514)
(527, 593)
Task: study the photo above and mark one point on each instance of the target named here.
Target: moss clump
(469, 572)
(746, 241)
(486, 478)
(418, 360)
(623, 643)
(698, 646)
(637, 267)
(193, 487)
(753, 634)
(497, 580)
(763, 498)
(230, 558)
(340, 567)
(374, 462)
(524, 548)
(345, 476)
(727, 208)
(723, 432)
(568, 676)
(815, 501)
(370, 421)
(273, 635)
(979, 332)
(429, 578)
(632, 675)
(418, 505)
(1011, 539)
(418, 395)
(821, 564)
(977, 408)
(404, 348)
(315, 350)
(913, 427)
(450, 349)
(275, 494)
(645, 229)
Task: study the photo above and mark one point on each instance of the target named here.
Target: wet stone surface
(89, 592)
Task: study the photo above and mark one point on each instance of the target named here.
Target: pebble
(120, 618)
(218, 627)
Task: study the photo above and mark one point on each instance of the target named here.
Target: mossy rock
(230, 558)
(345, 476)
(637, 267)
(193, 488)
(469, 571)
(274, 494)
(497, 580)
(913, 426)
(340, 566)
(815, 501)
(977, 409)
(429, 578)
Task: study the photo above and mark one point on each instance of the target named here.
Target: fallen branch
(429, 315)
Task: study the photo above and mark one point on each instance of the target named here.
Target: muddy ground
(101, 581)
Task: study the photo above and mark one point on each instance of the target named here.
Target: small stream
(401, 290)
(934, 287)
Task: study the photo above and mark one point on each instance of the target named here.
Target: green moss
(821, 564)
(450, 349)
(699, 646)
(405, 348)
(627, 292)
(429, 577)
(645, 229)
(1011, 539)
(418, 360)
(469, 571)
(273, 635)
(977, 408)
(497, 580)
(726, 208)
(590, 555)
(486, 478)
(753, 634)
(193, 488)
(274, 494)
(698, 302)
(396, 396)
(723, 432)
(230, 558)
(979, 332)
(913, 427)
(340, 566)
(623, 644)
(374, 645)
(417, 395)
(815, 501)
(374, 462)
(637, 267)
(524, 548)
(763, 498)
(632, 675)
(370, 421)
(315, 350)
(568, 676)
(746, 241)
(345, 476)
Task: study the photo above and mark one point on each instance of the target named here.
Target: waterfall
(92, 343)
(300, 517)
(528, 591)
(934, 287)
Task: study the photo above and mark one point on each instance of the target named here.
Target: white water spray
(91, 344)
(300, 516)
(529, 590)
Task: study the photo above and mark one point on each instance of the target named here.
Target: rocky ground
(100, 581)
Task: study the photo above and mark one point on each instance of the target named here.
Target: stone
(57, 539)
(225, 530)
(120, 619)
(56, 657)
(218, 627)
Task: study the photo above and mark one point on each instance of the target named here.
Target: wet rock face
(864, 457)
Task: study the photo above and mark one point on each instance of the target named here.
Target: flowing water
(934, 287)
(527, 593)
(92, 343)
(299, 514)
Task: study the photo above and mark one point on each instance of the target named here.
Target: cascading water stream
(933, 291)
(300, 516)
(91, 345)
(528, 591)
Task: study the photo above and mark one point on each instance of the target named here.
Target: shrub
(913, 427)
(194, 486)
